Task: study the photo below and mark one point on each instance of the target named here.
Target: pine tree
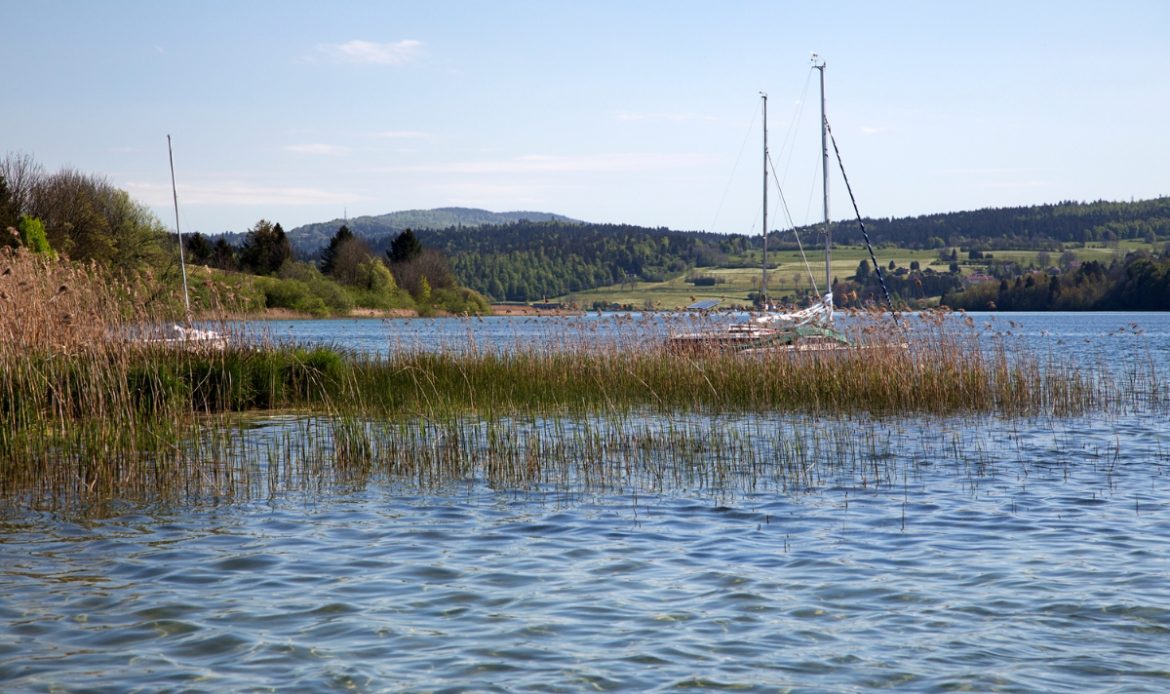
(404, 248)
(329, 256)
(265, 248)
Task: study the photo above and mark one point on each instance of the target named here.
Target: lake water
(966, 553)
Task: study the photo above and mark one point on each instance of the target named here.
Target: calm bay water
(972, 553)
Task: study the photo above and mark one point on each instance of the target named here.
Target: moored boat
(809, 329)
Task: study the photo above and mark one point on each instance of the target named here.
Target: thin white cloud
(317, 149)
(872, 130)
(547, 163)
(489, 194)
(235, 193)
(369, 52)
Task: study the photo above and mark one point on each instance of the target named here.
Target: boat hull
(753, 339)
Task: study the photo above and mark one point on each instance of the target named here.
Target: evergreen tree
(862, 272)
(223, 255)
(265, 249)
(404, 248)
(198, 249)
(329, 256)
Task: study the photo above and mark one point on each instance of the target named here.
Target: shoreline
(387, 314)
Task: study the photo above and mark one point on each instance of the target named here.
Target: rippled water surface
(972, 554)
(1088, 336)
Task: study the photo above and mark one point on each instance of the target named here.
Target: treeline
(79, 215)
(1039, 227)
(528, 261)
(347, 273)
(1137, 282)
(909, 287)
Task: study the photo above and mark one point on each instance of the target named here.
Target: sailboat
(185, 335)
(808, 329)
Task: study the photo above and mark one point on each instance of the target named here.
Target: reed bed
(89, 412)
(942, 373)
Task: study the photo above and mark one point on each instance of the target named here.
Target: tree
(265, 249)
(862, 272)
(198, 249)
(430, 265)
(21, 174)
(32, 234)
(87, 218)
(344, 256)
(9, 215)
(343, 236)
(372, 274)
(404, 248)
(350, 256)
(223, 255)
(424, 291)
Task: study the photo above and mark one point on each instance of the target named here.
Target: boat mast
(764, 262)
(182, 260)
(819, 64)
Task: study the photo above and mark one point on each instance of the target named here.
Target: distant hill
(308, 239)
(1035, 227)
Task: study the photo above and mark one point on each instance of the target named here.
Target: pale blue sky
(608, 111)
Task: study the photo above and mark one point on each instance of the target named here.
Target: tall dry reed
(90, 411)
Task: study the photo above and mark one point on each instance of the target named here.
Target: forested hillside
(1040, 227)
(529, 259)
(1136, 282)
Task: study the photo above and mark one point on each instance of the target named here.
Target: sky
(615, 111)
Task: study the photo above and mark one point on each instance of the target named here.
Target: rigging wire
(877, 268)
(731, 178)
(788, 216)
(789, 140)
(786, 152)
